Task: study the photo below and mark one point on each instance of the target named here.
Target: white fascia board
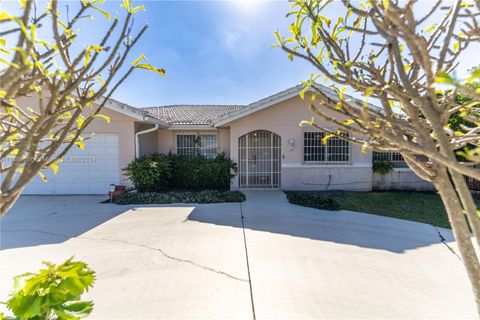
(134, 113)
(277, 98)
(191, 127)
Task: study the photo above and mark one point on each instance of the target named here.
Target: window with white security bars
(335, 150)
(394, 157)
(191, 144)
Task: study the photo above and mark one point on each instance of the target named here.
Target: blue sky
(214, 52)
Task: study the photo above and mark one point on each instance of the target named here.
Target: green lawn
(415, 206)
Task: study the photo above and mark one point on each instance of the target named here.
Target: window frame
(200, 150)
(394, 157)
(326, 154)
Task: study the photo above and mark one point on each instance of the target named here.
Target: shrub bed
(150, 173)
(200, 172)
(313, 199)
(158, 172)
(206, 196)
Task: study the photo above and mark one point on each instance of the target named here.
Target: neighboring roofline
(275, 99)
(135, 113)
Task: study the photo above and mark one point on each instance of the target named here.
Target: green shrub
(206, 196)
(382, 166)
(199, 172)
(312, 199)
(158, 172)
(149, 173)
(52, 293)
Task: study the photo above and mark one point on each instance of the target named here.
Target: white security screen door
(259, 166)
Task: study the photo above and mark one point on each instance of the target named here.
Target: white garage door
(88, 171)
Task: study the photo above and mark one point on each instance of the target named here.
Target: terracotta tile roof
(191, 114)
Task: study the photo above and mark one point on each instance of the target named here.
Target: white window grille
(394, 157)
(336, 150)
(191, 144)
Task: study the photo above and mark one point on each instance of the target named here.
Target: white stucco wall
(400, 179)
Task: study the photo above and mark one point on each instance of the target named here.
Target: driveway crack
(161, 251)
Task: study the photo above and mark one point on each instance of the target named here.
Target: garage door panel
(111, 138)
(64, 186)
(88, 171)
(98, 189)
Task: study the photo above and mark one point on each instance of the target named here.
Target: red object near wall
(119, 191)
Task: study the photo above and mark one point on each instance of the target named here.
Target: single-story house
(264, 138)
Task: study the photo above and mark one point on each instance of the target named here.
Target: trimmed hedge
(206, 196)
(158, 172)
(313, 199)
(200, 172)
(150, 173)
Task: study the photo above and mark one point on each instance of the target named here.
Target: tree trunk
(6, 203)
(460, 229)
(468, 203)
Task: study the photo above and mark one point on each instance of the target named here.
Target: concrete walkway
(164, 262)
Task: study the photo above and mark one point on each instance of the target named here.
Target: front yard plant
(149, 173)
(382, 167)
(158, 172)
(52, 293)
(206, 196)
(409, 205)
(312, 199)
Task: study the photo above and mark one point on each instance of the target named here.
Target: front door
(259, 166)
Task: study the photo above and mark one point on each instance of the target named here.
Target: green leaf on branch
(106, 118)
(151, 68)
(475, 75)
(53, 293)
(54, 167)
(127, 5)
(456, 45)
(443, 77)
(327, 137)
(41, 175)
(105, 13)
(430, 28)
(364, 147)
(305, 122)
(386, 4)
(136, 61)
(138, 8)
(302, 92)
(80, 144)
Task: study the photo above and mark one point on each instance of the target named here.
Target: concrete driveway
(198, 262)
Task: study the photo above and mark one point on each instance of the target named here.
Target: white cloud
(241, 43)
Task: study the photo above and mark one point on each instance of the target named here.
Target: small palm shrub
(52, 293)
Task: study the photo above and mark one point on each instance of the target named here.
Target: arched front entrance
(259, 160)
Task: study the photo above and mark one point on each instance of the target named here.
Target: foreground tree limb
(72, 85)
(386, 52)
